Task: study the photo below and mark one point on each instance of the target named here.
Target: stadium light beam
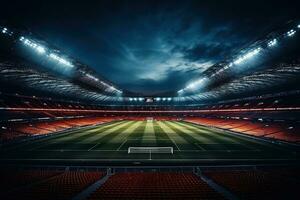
(247, 56)
(60, 60)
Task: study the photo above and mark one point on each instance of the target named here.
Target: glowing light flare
(291, 32)
(195, 84)
(272, 42)
(60, 60)
(247, 56)
(4, 30)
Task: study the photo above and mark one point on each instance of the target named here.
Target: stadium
(150, 100)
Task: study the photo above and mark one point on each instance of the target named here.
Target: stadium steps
(88, 191)
(218, 188)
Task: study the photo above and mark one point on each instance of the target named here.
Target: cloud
(148, 45)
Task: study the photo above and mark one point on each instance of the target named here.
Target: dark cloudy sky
(149, 46)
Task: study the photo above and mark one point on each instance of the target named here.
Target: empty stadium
(150, 100)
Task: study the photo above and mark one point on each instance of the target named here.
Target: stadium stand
(155, 186)
(279, 131)
(61, 186)
(258, 184)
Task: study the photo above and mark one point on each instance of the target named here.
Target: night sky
(149, 46)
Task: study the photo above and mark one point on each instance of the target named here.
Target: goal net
(150, 150)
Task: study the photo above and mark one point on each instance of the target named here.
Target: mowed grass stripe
(200, 138)
(228, 138)
(209, 140)
(247, 142)
(77, 143)
(149, 132)
(113, 140)
(171, 134)
(159, 131)
(52, 139)
(80, 135)
(125, 133)
(219, 143)
(196, 141)
(100, 134)
(210, 133)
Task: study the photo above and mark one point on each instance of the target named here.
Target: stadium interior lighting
(169, 98)
(135, 99)
(40, 49)
(130, 99)
(157, 99)
(247, 56)
(61, 60)
(141, 99)
(4, 30)
(180, 91)
(92, 77)
(164, 98)
(195, 84)
(291, 32)
(272, 42)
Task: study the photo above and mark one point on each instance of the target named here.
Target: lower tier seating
(63, 186)
(155, 186)
(258, 184)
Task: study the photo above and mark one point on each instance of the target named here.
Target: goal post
(150, 150)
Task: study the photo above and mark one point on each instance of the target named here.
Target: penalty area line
(122, 145)
(94, 146)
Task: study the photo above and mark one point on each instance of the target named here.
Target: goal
(150, 150)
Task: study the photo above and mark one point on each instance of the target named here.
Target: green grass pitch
(109, 143)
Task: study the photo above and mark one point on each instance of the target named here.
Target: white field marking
(124, 134)
(158, 159)
(194, 135)
(149, 139)
(170, 133)
(84, 132)
(198, 145)
(222, 136)
(94, 146)
(149, 131)
(109, 150)
(121, 145)
(104, 133)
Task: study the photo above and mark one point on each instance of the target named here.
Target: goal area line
(150, 150)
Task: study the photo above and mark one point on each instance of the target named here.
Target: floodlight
(291, 32)
(169, 98)
(4, 30)
(158, 99)
(247, 56)
(40, 49)
(272, 42)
